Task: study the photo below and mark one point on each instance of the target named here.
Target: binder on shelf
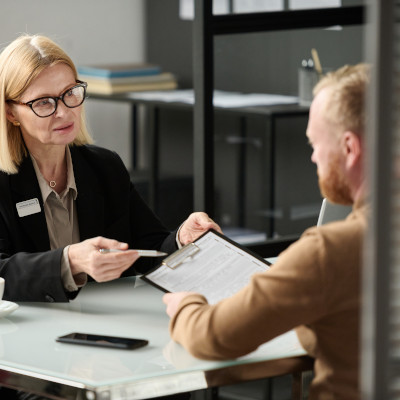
(119, 70)
(110, 88)
(127, 80)
(214, 266)
(121, 79)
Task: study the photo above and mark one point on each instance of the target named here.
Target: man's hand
(195, 226)
(84, 257)
(172, 301)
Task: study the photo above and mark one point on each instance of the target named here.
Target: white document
(271, 350)
(233, 99)
(213, 266)
(283, 346)
(221, 98)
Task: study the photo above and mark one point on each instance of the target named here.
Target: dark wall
(169, 39)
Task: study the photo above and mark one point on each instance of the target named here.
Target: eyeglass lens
(73, 97)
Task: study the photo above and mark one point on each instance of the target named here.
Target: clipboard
(213, 265)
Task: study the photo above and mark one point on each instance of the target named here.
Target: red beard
(334, 185)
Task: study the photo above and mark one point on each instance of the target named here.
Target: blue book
(120, 71)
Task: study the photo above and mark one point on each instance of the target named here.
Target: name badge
(28, 207)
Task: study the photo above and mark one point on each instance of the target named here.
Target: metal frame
(286, 20)
(203, 116)
(205, 26)
(375, 363)
(195, 381)
(64, 389)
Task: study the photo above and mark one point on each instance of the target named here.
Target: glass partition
(265, 185)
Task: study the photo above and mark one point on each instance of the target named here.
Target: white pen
(142, 253)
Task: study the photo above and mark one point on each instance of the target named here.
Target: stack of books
(111, 79)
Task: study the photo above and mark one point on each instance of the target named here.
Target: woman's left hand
(195, 226)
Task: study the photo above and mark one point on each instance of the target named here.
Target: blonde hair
(20, 63)
(346, 104)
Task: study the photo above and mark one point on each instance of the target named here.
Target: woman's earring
(16, 123)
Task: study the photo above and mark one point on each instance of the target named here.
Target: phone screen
(102, 340)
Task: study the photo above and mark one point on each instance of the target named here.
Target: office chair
(330, 212)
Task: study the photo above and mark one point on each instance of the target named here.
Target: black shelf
(285, 20)
(205, 27)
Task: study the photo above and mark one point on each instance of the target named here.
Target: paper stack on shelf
(111, 79)
(221, 98)
(244, 236)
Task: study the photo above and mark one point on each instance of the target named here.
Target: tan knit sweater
(313, 287)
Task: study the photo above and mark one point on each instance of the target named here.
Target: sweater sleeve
(275, 301)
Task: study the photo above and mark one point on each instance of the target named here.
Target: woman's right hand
(85, 257)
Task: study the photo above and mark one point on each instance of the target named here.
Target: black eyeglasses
(46, 106)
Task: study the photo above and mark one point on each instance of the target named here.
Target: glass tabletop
(128, 308)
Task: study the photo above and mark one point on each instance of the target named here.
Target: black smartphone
(102, 340)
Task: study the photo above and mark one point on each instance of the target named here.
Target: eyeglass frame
(55, 98)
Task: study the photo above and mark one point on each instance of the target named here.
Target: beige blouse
(62, 220)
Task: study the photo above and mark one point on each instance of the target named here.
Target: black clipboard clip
(180, 256)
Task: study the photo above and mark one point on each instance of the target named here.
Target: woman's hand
(84, 257)
(195, 226)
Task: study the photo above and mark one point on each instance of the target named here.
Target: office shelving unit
(205, 27)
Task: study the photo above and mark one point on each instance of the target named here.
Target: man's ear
(352, 148)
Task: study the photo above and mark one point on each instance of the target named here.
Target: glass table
(32, 360)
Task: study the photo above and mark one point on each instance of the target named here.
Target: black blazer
(107, 205)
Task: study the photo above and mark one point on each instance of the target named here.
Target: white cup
(2, 282)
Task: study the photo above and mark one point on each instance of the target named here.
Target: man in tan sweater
(314, 287)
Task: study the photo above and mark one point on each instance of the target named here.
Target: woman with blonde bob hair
(20, 65)
(62, 198)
